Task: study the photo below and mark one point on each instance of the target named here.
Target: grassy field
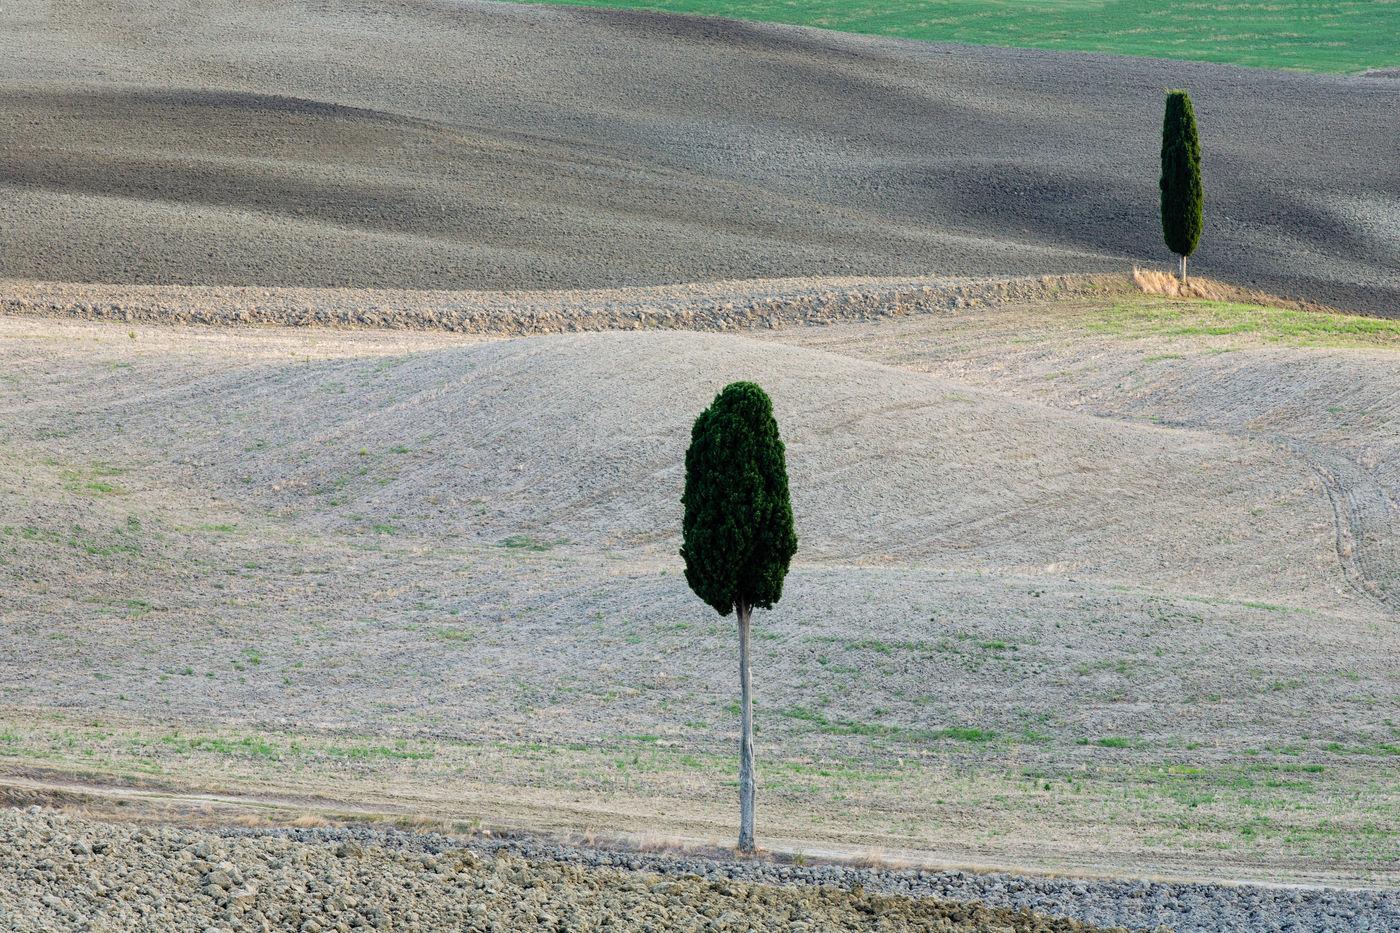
(1281, 807)
(1304, 35)
(1151, 316)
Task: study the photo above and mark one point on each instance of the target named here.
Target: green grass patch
(1152, 316)
(252, 746)
(1116, 741)
(1305, 35)
(529, 543)
(902, 733)
(94, 481)
(1379, 748)
(366, 752)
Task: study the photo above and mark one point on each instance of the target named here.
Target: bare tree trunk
(746, 781)
(1183, 270)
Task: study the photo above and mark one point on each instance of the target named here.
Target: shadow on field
(492, 146)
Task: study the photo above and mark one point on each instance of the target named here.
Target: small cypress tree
(738, 533)
(1182, 200)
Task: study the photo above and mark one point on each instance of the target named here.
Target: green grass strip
(1150, 316)
(1303, 35)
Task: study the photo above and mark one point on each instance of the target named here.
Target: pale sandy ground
(1066, 599)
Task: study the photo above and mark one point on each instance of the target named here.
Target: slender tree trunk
(746, 781)
(1183, 270)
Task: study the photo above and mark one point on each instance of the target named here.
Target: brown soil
(475, 145)
(65, 873)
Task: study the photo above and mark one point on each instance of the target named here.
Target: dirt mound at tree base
(1155, 282)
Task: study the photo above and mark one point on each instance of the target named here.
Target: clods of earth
(66, 873)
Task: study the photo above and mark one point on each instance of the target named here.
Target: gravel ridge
(718, 306)
(1183, 907)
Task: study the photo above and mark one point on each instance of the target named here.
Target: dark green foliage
(1182, 201)
(738, 529)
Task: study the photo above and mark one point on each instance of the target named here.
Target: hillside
(502, 146)
(349, 354)
(1077, 589)
(1305, 35)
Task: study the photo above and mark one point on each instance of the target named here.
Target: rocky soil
(62, 873)
(1134, 903)
(452, 145)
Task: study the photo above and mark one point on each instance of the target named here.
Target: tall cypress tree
(1182, 201)
(738, 533)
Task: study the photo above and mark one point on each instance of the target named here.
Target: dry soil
(479, 145)
(1086, 585)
